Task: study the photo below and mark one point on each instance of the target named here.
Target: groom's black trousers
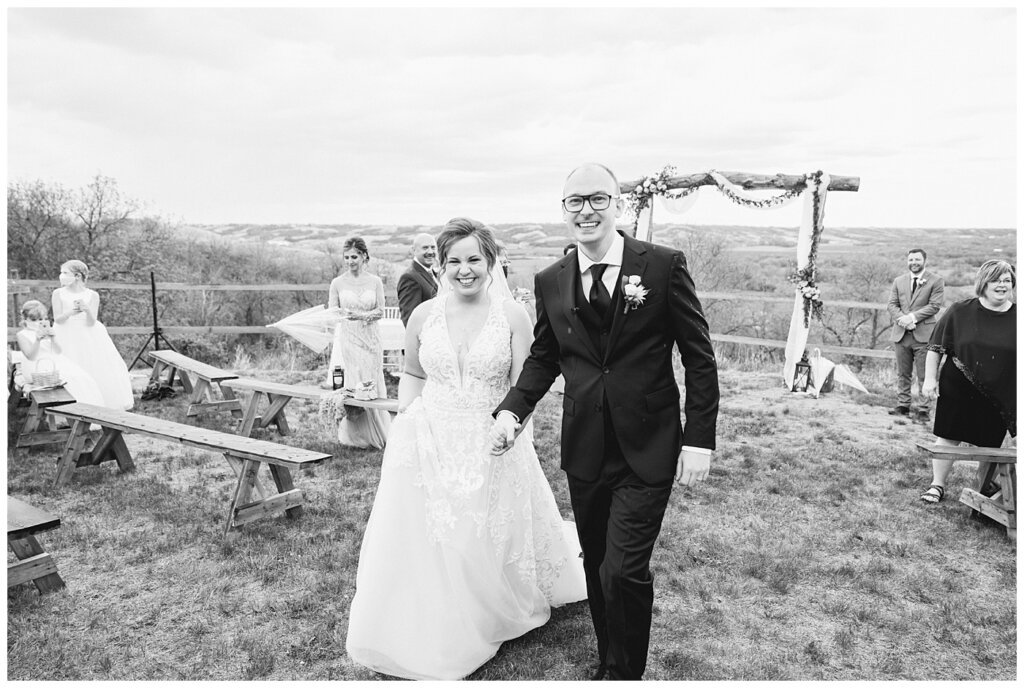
(618, 518)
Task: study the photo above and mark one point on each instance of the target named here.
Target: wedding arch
(679, 193)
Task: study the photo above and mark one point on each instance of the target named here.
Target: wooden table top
(24, 519)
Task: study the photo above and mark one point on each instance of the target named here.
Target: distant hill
(542, 239)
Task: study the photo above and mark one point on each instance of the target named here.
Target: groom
(622, 439)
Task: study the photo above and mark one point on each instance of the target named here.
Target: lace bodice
(484, 379)
(357, 299)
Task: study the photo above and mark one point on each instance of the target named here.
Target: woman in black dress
(977, 385)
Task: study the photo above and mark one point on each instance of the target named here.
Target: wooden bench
(34, 564)
(997, 477)
(279, 394)
(245, 455)
(198, 379)
(40, 400)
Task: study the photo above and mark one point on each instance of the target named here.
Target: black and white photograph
(510, 343)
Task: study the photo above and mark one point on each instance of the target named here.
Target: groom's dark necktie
(913, 289)
(600, 299)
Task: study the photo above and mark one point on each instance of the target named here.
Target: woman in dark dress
(977, 385)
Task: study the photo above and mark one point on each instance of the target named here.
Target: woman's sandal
(933, 494)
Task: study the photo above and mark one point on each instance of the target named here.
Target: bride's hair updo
(358, 244)
(460, 228)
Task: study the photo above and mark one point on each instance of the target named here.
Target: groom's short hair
(918, 250)
(599, 165)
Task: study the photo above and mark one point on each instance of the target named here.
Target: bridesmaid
(357, 343)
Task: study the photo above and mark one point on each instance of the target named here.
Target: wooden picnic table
(277, 396)
(38, 428)
(995, 488)
(34, 565)
(198, 379)
(244, 454)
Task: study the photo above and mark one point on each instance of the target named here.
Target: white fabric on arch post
(796, 343)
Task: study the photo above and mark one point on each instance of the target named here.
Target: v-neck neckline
(472, 345)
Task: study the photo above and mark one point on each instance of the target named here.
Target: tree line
(113, 234)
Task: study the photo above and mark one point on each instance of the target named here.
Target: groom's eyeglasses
(598, 201)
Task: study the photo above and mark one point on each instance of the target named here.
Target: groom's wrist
(506, 412)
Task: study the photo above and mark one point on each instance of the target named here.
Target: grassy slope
(806, 555)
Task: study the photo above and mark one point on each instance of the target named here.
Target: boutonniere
(633, 293)
(921, 281)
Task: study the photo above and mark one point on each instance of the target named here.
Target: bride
(462, 550)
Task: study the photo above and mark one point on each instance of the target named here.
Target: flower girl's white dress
(463, 550)
(77, 381)
(91, 347)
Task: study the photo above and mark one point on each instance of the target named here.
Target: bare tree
(103, 217)
(38, 223)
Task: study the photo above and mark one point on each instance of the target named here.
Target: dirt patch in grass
(805, 556)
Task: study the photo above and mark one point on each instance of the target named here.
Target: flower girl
(84, 339)
(37, 343)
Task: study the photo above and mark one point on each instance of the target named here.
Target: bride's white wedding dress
(463, 550)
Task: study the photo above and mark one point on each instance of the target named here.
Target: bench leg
(112, 442)
(35, 565)
(287, 501)
(31, 435)
(283, 481)
(229, 395)
(243, 490)
(1008, 481)
(275, 413)
(35, 415)
(69, 459)
(158, 368)
(200, 392)
(237, 465)
(249, 419)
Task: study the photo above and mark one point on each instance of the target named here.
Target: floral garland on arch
(655, 185)
(806, 279)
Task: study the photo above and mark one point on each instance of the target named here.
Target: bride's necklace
(464, 329)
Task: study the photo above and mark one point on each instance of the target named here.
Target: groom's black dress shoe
(900, 411)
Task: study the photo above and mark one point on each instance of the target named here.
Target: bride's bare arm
(522, 339)
(413, 378)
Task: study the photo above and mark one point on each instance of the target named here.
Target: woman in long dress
(977, 385)
(357, 342)
(462, 550)
(84, 339)
(43, 353)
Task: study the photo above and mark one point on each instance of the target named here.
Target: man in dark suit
(418, 283)
(914, 301)
(608, 315)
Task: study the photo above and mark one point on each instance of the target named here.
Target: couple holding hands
(465, 547)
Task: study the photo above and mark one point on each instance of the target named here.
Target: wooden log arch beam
(750, 181)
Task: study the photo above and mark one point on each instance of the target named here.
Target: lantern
(802, 376)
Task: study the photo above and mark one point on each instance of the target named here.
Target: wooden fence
(18, 287)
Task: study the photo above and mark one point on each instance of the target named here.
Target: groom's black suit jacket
(625, 362)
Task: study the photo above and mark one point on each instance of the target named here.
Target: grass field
(805, 555)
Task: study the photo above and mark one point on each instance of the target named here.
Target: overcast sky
(410, 116)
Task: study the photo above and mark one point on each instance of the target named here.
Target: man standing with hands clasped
(914, 301)
(608, 315)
